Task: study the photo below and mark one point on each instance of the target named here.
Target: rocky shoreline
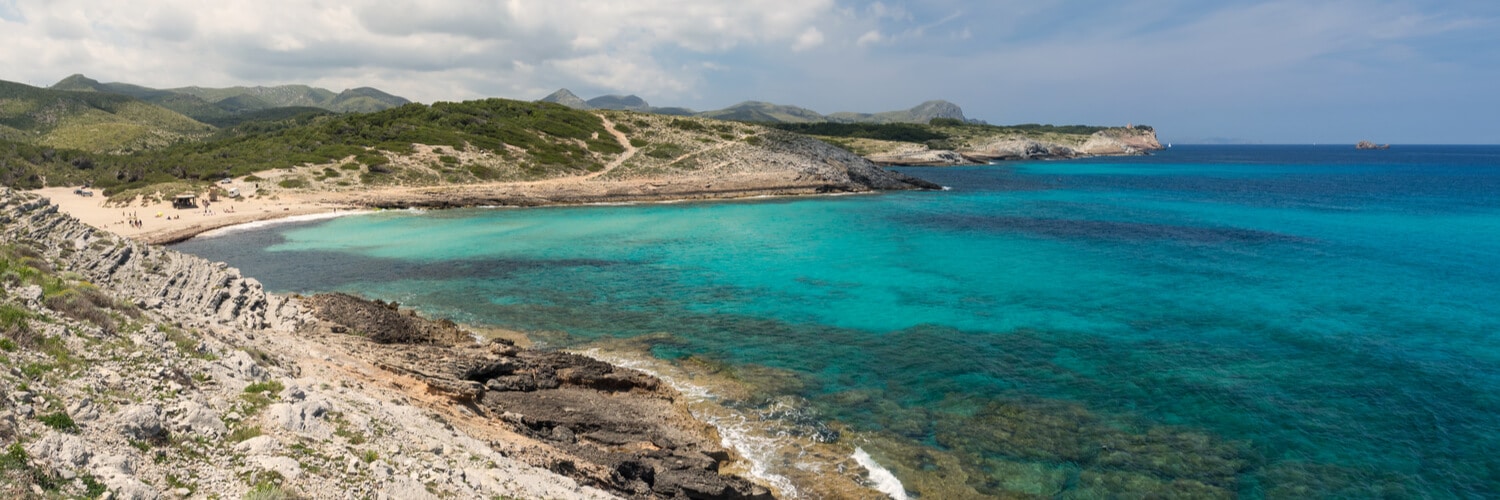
(1113, 142)
(146, 373)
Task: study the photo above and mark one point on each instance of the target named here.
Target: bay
(1282, 321)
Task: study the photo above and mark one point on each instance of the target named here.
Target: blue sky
(1402, 71)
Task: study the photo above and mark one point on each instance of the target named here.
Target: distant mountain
(922, 113)
(90, 120)
(223, 106)
(757, 111)
(626, 102)
(566, 97)
(358, 100)
(765, 112)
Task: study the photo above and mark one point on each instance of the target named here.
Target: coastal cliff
(148, 373)
(1127, 141)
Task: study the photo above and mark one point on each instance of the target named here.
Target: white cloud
(401, 45)
(870, 38)
(808, 39)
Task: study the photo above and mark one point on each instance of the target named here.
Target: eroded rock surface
(605, 426)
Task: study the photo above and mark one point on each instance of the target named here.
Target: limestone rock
(302, 417)
(195, 418)
(58, 449)
(259, 445)
(140, 422)
(286, 466)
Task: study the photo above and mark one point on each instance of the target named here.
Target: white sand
(160, 223)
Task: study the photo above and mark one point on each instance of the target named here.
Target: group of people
(132, 219)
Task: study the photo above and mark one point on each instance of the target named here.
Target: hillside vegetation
(499, 139)
(764, 112)
(90, 121)
(225, 107)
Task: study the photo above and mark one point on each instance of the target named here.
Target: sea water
(1277, 321)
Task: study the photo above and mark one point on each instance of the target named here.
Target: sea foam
(284, 220)
(883, 479)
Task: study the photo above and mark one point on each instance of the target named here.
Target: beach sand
(160, 223)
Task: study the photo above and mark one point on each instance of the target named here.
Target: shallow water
(1263, 321)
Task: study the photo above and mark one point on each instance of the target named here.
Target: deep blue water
(1282, 321)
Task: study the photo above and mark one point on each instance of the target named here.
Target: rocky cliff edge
(146, 373)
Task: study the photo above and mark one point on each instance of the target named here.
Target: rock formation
(1111, 142)
(147, 373)
(1370, 145)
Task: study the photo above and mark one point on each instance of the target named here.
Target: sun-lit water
(1267, 321)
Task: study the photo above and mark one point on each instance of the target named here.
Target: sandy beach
(160, 223)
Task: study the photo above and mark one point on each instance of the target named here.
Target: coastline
(292, 205)
(376, 399)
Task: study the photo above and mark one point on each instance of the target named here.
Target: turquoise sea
(1256, 321)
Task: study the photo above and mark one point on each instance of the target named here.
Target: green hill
(920, 114)
(358, 100)
(756, 111)
(538, 140)
(89, 120)
(225, 107)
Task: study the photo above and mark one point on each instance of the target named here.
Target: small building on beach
(185, 201)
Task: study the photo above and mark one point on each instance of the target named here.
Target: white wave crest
(737, 431)
(271, 222)
(883, 479)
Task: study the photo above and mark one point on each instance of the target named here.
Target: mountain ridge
(92, 121)
(766, 112)
(223, 106)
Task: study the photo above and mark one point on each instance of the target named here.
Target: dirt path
(624, 142)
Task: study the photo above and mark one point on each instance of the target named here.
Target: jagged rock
(30, 294)
(140, 422)
(84, 410)
(195, 418)
(286, 466)
(129, 488)
(261, 337)
(240, 365)
(60, 449)
(302, 417)
(259, 445)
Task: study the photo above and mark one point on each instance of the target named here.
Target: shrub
(665, 151)
(243, 433)
(293, 183)
(688, 125)
(271, 386)
(60, 421)
(267, 490)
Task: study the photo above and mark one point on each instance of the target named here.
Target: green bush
(60, 421)
(293, 183)
(687, 125)
(549, 134)
(665, 151)
(270, 386)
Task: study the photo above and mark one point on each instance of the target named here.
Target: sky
(1307, 71)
